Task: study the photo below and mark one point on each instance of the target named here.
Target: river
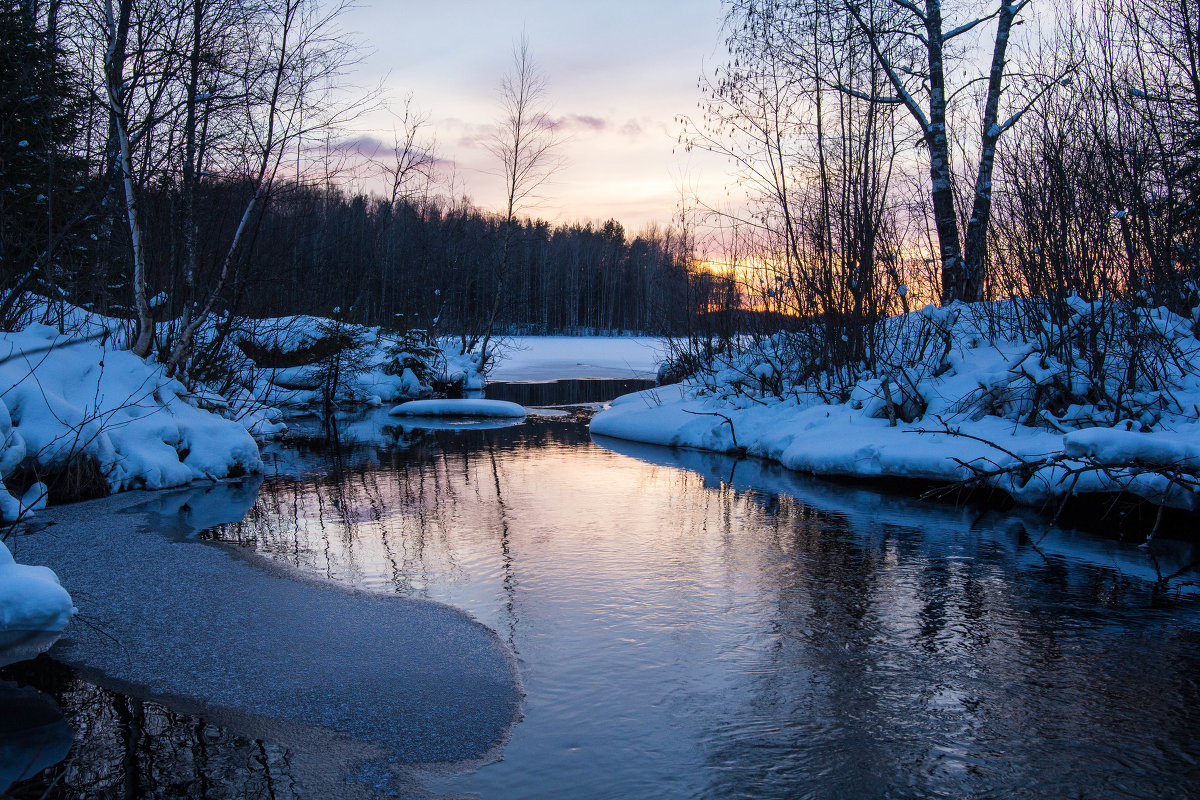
(690, 625)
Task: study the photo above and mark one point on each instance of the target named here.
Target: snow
(974, 413)
(547, 413)
(459, 408)
(458, 423)
(62, 399)
(371, 373)
(552, 358)
(32, 603)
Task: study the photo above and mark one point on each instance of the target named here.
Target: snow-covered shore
(34, 609)
(978, 418)
(66, 400)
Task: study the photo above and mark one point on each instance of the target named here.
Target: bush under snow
(1038, 401)
(64, 402)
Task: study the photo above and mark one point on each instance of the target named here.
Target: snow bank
(63, 400)
(458, 408)
(976, 407)
(32, 604)
(374, 366)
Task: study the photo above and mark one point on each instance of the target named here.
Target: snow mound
(302, 361)
(32, 604)
(63, 401)
(975, 394)
(458, 408)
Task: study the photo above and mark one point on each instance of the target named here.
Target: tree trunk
(976, 251)
(955, 284)
(114, 67)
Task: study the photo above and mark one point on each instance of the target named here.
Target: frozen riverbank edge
(847, 442)
(349, 679)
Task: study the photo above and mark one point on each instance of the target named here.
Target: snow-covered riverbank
(962, 403)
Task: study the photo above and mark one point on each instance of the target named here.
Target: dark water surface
(553, 393)
(124, 746)
(687, 625)
(691, 626)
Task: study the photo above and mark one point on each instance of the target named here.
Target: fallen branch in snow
(728, 421)
(1180, 476)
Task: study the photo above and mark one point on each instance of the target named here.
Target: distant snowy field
(551, 358)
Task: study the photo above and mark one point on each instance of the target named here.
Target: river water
(689, 625)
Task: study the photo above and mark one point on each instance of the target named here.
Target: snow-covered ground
(63, 400)
(553, 358)
(977, 414)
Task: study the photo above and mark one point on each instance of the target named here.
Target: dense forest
(172, 163)
(175, 163)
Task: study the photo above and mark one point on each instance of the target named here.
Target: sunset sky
(619, 74)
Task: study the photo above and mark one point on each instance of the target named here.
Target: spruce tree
(43, 193)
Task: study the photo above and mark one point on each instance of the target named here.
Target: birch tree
(921, 86)
(214, 90)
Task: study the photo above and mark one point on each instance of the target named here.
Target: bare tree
(526, 143)
(214, 90)
(814, 155)
(920, 85)
(117, 92)
(410, 167)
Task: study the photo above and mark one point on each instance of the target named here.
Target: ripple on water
(688, 626)
(712, 629)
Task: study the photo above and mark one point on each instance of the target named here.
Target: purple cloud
(579, 122)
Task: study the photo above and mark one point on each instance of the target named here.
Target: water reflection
(690, 626)
(123, 746)
(33, 734)
(564, 392)
(182, 512)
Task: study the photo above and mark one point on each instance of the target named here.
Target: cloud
(579, 122)
(477, 136)
(633, 128)
(586, 122)
(362, 145)
(371, 148)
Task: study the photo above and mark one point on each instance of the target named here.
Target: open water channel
(690, 625)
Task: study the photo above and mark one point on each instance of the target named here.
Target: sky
(619, 71)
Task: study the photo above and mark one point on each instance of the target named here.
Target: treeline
(432, 265)
(895, 154)
(177, 164)
(406, 264)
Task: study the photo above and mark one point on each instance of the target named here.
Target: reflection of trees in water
(845, 643)
(976, 665)
(422, 511)
(127, 747)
